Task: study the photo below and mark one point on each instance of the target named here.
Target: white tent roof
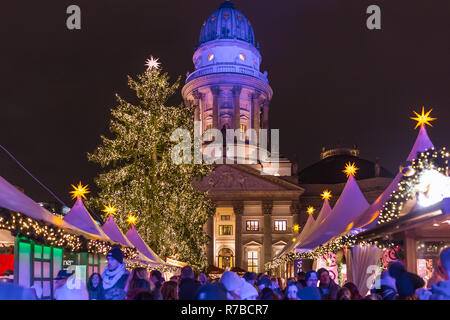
(369, 218)
(114, 233)
(422, 143)
(351, 204)
(137, 241)
(80, 217)
(13, 199)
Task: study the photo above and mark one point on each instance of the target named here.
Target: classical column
(197, 102)
(267, 207)
(215, 90)
(238, 208)
(237, 106)
(255, 114)
(266, 114)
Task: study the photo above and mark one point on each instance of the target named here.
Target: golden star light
(296, 228)
(423, 119)
(79, 191)
(326, 195)
(310, 210)
(109, 210)
(131, 219)
(152, 63)
(350, 169)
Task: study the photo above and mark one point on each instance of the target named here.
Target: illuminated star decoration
(110, 210)
(310, 210)
(326, 195)
(350, 169)
(131, 219)
(423, 118)
(296, 228)
(79, 191)
(152, 63)
(294, 239)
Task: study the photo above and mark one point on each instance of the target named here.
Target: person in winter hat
(406, 282)
(248, 292)
(233, 283)
(115, 275)
(69, 287)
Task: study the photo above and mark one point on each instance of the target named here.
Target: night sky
(333, 79)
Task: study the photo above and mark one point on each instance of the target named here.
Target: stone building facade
(255, 214)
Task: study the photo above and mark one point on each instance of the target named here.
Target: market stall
(40, 239)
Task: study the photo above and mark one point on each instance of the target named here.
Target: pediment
(242, 178)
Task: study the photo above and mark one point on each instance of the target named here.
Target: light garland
(430, 159)
(161, 268)
(50, 235)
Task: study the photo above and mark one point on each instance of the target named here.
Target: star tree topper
(423, 119)
(152, 63)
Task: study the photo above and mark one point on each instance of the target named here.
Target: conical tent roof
(350, 205)
(323, 215)
(80, 218)
(13, 199)
(137, 241)
(307, 229)
(369, 218)
(422, 143)
(114, 233)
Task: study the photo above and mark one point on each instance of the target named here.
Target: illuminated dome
(227, 23)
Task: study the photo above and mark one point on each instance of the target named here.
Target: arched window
(225, 258)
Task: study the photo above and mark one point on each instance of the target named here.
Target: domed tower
(227, 86)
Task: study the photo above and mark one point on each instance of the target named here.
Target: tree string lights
(140, 177)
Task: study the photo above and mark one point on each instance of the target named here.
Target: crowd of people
(117, 283)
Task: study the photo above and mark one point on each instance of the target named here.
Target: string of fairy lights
(431, 159)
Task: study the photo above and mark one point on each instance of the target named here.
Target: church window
(252, 261)
(280, 225)
(243, 128)
(210, 57)
(242, 56)
(213, 18)
(225, 230)
(252, 225)
(226, 15)
(239, 17)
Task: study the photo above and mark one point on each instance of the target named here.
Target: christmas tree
(140, 178)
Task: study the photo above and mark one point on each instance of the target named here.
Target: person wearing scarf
(115, 276)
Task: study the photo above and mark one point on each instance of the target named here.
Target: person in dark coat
(406, 282)
(95, 287)
(328, 288)
(115, 276)
(188, 287)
